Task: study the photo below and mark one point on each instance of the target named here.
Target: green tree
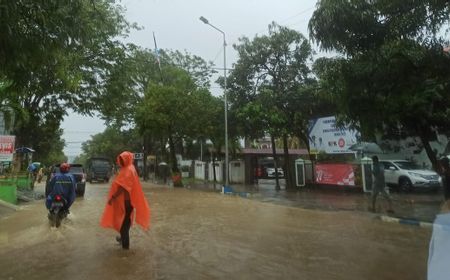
(175, 110)
(393, 72)
(55, 55)
(131, 77)
(110, 143)
(267, 79)
(134, 69)
(199, 70)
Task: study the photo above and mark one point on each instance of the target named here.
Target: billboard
(7, 147)
(325, 137)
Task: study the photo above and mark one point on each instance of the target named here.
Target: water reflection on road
(418, 205)
(204, 235)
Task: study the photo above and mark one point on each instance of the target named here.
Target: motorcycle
(57, 211)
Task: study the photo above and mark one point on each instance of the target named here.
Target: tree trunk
(287, 164)
(424, 137)
(176, 175)
(275, 160)
(173, 157)
(214, 170)
(144, 155)
(305, 140)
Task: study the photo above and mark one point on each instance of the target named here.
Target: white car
(407, 175)
(271, 172)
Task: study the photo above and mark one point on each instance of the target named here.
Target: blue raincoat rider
(64, 184)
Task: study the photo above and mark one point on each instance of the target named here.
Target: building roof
(250, 151)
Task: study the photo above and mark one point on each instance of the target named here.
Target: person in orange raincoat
(125, 196)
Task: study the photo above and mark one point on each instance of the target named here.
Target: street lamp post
(205, 21)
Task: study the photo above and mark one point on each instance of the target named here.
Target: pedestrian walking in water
(379, 185)
(445, 174)
(126, 196)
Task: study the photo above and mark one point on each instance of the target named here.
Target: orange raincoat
(128, 179)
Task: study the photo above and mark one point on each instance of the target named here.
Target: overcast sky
(177, 26)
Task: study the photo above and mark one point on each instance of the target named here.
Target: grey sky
(177, 26)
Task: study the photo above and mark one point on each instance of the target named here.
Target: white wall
(200, 170)
(219, 172)
(412, 149)
(237, 171)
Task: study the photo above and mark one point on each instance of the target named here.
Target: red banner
(335, 174)
(6, 147)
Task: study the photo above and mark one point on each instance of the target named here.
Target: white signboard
(7, 147)
(325, 137)
(138, 155)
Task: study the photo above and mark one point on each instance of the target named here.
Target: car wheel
(405, 185)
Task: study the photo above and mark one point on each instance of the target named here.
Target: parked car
(270, 171)
(406, 176)
(266, 169)
(78, 172)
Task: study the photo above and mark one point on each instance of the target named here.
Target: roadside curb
(229, 191)
(241, 194)
(411, 222)
(9, 205)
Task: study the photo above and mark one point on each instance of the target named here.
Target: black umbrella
(24, 150)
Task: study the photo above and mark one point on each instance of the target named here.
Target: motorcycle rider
(64, 184)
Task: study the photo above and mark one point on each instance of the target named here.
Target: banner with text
(7, 147)
(335, 174)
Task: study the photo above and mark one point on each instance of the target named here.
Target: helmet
(64, 167)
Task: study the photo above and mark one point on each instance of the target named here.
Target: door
(390, 172)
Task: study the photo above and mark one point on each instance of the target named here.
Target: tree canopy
(394, 71)
(110, 143)
(175, 110)
(54, 55)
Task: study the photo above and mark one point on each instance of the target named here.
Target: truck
(98, 169)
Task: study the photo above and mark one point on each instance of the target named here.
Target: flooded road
(205, 235)
(415, 206)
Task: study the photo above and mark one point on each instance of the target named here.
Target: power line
(218, 53)
(295, 23)
(291, 17)
(298, 14)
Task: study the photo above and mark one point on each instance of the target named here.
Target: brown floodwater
(205, 235)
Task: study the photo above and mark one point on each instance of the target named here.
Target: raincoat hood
(125, 159)
(127, 179)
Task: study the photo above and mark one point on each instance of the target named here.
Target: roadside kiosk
(303, 172)
(366, 167)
